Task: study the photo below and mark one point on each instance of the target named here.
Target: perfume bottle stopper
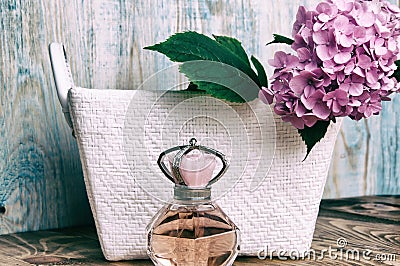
(192, 165)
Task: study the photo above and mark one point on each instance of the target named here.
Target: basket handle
(62, 77)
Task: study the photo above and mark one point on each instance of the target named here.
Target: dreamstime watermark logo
(341, 242)
(341, 253)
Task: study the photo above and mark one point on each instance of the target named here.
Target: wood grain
(41, 184)
(368, 223)
(40, 175)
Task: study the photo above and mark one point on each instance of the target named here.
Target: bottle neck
(192, 195)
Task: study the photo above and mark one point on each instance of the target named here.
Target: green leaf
(262, 76)
(219, 91)
(281, 39)
(312, 135)
(190, 45)
(396, 73)
(220, 80)
(234, 45)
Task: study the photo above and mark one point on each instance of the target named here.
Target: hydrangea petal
(300, 109)
(321, 110)
(310, 120)
(320, 37)
(323, 53)
(372, 76)
(356, 89)
(297, 84)
(365, 19)
(380, 51)
(265, 95)
(342, 58)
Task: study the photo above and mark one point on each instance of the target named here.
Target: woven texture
(279, 215)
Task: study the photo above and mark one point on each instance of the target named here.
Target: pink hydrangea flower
(345, 53)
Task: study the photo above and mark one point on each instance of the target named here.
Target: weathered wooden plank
(40, 175)
(41, 182)
(354, 220)
(122, 29)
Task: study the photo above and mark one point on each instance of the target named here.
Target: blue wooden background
(41, 184)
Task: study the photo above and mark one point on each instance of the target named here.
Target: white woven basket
(279, 215)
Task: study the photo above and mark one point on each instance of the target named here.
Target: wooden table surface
(367, 224)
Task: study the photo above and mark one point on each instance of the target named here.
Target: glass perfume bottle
(192, 230)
